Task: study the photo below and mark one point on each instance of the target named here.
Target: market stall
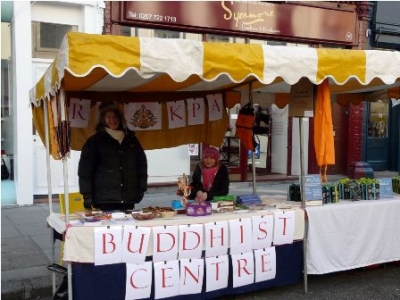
(165, 75)
(353, 234)
(272, 238)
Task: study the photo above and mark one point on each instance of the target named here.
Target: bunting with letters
(246, 246)
(158, 124)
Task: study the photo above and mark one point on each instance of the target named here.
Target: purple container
(198, 210)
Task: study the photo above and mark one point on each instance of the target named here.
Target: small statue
(184, 189)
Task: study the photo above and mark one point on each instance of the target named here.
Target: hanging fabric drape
(244, 126)
(61, 125)
(323, 130)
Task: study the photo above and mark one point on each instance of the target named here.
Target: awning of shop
(104, 63)
(90, 63)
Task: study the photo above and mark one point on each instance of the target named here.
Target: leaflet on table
(312, 189)
(81, 222)
(386, 187)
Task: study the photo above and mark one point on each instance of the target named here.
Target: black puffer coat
(220, 185)
(113, 174)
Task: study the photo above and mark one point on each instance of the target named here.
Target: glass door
(377, 135)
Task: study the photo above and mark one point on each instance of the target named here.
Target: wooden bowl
(144, 216)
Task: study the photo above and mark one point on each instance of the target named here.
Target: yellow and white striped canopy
(105, 63)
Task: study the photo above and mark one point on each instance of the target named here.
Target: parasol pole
(63, 116)
(253, 162)
(303, 204)
(49, 185)
(252, 152)
(47, 141)
(66, 197)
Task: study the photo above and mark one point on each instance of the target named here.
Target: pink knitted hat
(211, 152)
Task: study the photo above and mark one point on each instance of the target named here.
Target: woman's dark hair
(102, 116)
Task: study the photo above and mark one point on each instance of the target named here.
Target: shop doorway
(377, 150)
(394, 134)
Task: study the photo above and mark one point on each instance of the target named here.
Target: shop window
(276, 43)
(378, 119)
(127, 31)
(218, 38)
(47, 37)
(166, 34)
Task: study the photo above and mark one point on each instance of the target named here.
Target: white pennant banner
(143, 116)
(242, 269)
(138, 280)
(265, 262)
(191, 241)
(263, 230)
(79, 112)
(217, 272)
(107, 245)
(166, 277)
(192, 274)
(136, 241)
(165, 243)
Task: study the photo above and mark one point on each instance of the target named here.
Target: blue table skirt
(108, 282)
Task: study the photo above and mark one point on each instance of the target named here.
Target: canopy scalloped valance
(135, 68)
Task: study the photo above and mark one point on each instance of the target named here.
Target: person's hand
(87, 204)
(201, 197)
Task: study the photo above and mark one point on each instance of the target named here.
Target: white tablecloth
(349, 235)
(79, 245)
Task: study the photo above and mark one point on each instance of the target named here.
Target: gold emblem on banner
(143, 118)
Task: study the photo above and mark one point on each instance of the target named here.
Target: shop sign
(250, 17)
(302, 99)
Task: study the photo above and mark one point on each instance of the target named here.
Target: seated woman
(210, 177)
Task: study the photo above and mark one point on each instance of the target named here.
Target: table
(353, 234)
(108, 281)
(79, 247)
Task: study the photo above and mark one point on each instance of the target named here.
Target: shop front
(204, 82)
(333, 26)
(382, 117)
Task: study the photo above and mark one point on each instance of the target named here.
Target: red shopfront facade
(318, 24)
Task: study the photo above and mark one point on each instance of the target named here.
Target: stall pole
(47, 141)
(64, 118)
(49, 186)
(66, 194)
(252, 152)
(253, 162)
(303, 204)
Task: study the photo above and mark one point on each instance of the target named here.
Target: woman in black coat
(210, 177)
(113, 165)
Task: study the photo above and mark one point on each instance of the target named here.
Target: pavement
(27, 250)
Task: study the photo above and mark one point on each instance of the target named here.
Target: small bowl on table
(141, 216)
(167, 213)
